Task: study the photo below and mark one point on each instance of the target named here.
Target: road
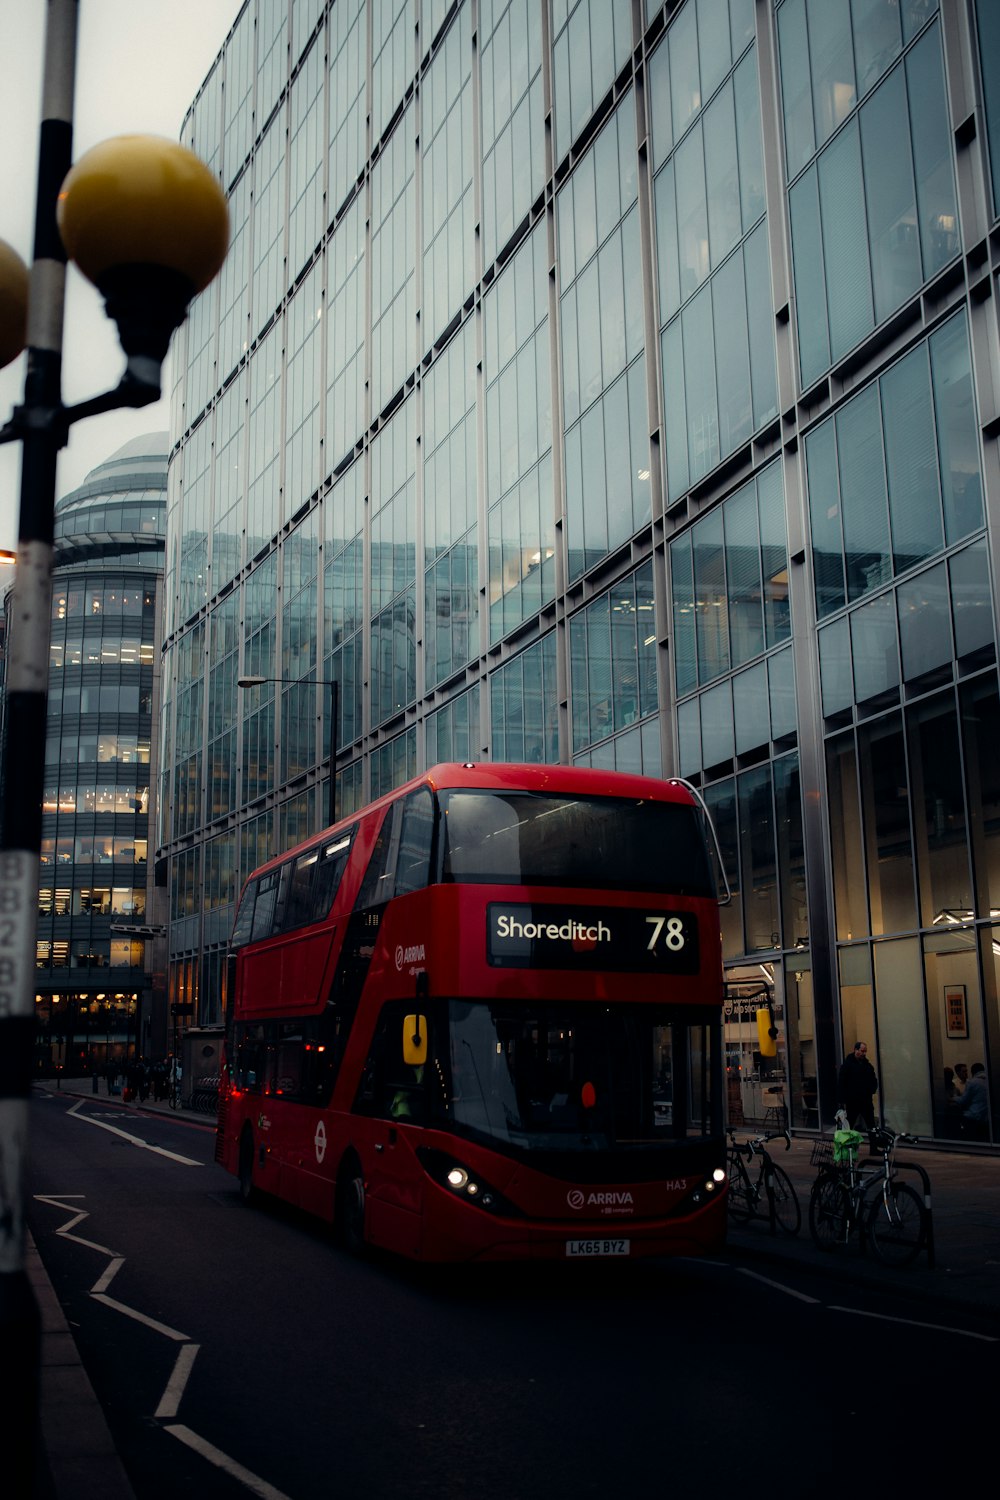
(236, 1351)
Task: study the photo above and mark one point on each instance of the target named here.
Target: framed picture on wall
(956, 1015)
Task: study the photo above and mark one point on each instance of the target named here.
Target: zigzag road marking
(169, 1403)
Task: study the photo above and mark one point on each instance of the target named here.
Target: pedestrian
(973, 1106)
(857, 1086)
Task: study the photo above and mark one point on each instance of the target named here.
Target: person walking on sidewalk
(857, 1086)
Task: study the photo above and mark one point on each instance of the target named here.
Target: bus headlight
(718, 1175)
(444, 1169)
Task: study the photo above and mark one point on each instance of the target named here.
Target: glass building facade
(614, 384)
(99, 996)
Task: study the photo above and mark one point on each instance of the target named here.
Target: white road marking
(174, 1390)
(105, 1279)
(132, 1312)
(964, 1333)
(788, 1291)
(171, 1398)
(134, 1140)
(225, 1463)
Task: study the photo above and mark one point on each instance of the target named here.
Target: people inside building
(857, 1085)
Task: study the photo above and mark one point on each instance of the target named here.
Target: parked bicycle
(769, 1191)
(865, 1197)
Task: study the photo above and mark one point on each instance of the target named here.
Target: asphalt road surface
(237, 1351)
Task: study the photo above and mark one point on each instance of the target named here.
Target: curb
(78, 1455)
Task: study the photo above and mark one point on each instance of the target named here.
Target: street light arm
(139, 386)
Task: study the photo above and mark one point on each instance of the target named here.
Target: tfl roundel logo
(574, 1198)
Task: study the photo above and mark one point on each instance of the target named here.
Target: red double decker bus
(481, 1020)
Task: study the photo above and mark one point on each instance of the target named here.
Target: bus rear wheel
(247, 1190)
(349, 1212)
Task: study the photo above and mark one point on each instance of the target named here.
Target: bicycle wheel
(897, 1225)
(739, 1199)
(787, 1213)
(829, 1212)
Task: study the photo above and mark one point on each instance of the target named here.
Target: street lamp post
(254, 681)
(149, 225)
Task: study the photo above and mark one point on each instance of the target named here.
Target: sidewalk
(80, 1461)
(965, 1207)
(78, 1458)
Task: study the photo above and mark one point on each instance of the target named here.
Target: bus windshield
(527, 838)
(572, 1077)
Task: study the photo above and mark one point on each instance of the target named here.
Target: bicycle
(866, 1198)
(771, 1193)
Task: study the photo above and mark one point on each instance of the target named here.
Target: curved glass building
(96, 990)
(614, 383)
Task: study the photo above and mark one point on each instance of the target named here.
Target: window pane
(824, 520)
(971, 601)
(699, 384)
(911, 457)
(760, 320)
(774, 553)
(722, 176)
(981, 735)
(886, 805)
(757, 849)
(890, 196)
(877, 39)
(711, 598)
(848, 280)
(939, 809)
(732, 362)
(781, 693)
(924, 623)
(750, 708)
(682, 594)
(836, 682)
(692, 213)
(717, 724)
(846, 848)
(800, 141)
(958, 439)
(810, 279)
(747, 101)
(746, 617)
(873, 647)
(832, 59)
(863, 491)
(932, 153)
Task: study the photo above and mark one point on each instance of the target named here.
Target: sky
(139, 65)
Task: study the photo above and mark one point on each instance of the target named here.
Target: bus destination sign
(525, 936)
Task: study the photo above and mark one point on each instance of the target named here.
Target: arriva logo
(576, 1199)
(412, 955)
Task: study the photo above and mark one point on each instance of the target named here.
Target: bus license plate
(598, 1247)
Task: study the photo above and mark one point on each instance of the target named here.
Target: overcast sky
(139, 65)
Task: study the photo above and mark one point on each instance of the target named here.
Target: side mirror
(767, 1033)
(415, 1041)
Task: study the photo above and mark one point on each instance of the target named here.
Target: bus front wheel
(247, 1190)
(350, 1207)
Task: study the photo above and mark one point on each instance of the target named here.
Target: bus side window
(251, 1058)
(414, 861)
(329, 873)
(263, 912)
(298, 906)
(243, 926)
(288, 1060)
(376, 887)
(391, 1089)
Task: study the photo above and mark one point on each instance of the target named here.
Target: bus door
(392, 1107)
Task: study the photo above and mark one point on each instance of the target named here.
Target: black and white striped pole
(147, 222)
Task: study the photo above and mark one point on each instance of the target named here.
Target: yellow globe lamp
(13, 304)
(146, 221)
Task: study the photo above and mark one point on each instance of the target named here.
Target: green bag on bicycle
(846, 1144)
